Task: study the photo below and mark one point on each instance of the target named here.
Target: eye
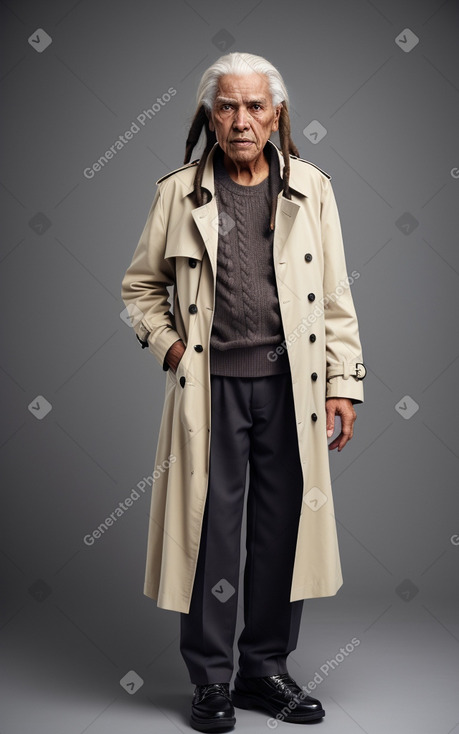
(256, 107)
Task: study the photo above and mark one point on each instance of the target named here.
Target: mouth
(242, 142)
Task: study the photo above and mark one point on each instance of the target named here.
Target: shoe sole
(217, 725)
(248, 702)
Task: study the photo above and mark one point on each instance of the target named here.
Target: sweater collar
(297, 183)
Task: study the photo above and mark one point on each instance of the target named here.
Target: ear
(277, 112)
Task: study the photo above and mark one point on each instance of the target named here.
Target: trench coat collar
(207, 220)
(297, 181)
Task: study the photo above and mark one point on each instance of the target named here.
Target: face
(243, 116)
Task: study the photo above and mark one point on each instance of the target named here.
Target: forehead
(244, 87)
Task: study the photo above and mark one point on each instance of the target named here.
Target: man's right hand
(174, 354)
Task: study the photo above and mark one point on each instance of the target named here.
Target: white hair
(240, 64)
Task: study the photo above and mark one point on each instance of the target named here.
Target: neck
(248, 173)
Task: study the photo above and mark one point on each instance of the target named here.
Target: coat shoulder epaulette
(303, 160)
(182, 168)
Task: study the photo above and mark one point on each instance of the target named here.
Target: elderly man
(261, 348)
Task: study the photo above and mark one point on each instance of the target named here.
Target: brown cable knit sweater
(247, 323)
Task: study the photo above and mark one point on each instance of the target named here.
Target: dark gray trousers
(253, 421)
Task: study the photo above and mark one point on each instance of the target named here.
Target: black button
(308, 257)
(193, 308)
(192, 262)
(311, 297)
(314, 417)
(182, 381)
(198, 348)
(314, 376)
(312, 338)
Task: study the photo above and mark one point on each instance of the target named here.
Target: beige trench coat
(178, 247)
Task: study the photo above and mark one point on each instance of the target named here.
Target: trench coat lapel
(206, 216)
(285, 217)
(206, 220)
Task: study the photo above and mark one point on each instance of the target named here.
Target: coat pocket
(181, 391)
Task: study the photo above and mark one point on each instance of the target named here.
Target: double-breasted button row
(312, 337)
(192, 262)
(308, 258)
(314, 378)
(193, 308)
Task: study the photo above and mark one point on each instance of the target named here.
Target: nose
(240, 121)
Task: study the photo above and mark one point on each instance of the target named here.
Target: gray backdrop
(374, 101)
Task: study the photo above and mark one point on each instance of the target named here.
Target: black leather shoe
(212, 709)
(273, 694)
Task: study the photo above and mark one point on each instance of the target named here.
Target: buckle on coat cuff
(360, 371)
(346, 370)
(143, 343)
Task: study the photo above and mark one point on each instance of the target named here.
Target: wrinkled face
(243, 116)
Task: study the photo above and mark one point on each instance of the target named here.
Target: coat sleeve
(343, 348)
(144, 286)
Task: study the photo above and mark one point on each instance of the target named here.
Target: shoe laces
(220, 688)
(285, 682)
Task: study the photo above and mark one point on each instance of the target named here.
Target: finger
(330, 420)
(334, 443)
(345, 435)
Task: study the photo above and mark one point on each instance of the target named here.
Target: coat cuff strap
(347, 369)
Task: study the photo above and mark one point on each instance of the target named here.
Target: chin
(246, 155)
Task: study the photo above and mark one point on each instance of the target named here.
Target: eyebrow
(230, 100)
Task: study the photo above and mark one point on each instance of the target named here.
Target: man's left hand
(344, 408)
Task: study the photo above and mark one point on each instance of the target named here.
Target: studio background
(374, 90)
